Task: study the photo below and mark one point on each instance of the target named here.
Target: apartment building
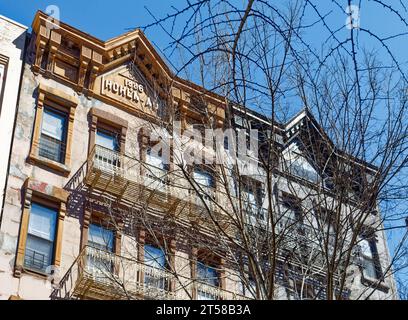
(94, 212)
(307, 200)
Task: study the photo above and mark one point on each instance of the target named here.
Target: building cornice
(77, 59)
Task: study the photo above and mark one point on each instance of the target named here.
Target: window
(53, 135)
(106, 152)
(298, 165)
(238, 120)
(328, 183)
(107, 139)
(324, 223)
(53, 129)
(39, 251)
(206, 275)
(155, 260)
(292, 208)
(42, 226)
(100, 240)
(156, 170)
(369, 259)
(206, 182)
(301, 168)
(226, 143)
(233, 185)
(253, 198)
(292, 214)
(107, 142)
(326, 226)
(203, 178)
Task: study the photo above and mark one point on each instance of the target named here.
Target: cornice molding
(88, 57)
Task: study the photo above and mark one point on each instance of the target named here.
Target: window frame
(295, 157)
(167, 245)
(108, 122)
(208, 265)
(48, 205)
(61, 102)
(162, 283)
(101, 224)
(105, 228)
(373, 260)
(165, 267)
(108, 131)
(207, 258)
(257, 189)
(325, 222)
(292, 213)
(209, 192)
(101, 219)
(293, 204)
(50, 196)
(205, 172)
(54, 109)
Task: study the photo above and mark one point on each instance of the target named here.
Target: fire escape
(122, 179)
(112, 177)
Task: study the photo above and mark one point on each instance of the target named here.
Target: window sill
(56, 166)
(373, 283)
(20, 270)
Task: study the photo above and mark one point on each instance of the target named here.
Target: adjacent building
(12, 44)
(85, 186)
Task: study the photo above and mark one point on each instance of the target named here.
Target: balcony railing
(134, 181)
(131, 179)
(311, 240)
(304, 233)
(98, 274)
(255, 211)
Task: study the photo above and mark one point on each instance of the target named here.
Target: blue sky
(106, 19)
(103, 18)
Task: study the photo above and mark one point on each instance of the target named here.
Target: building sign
(124, 87)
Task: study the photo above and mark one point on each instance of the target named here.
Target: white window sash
(53, 125)
(42, 222)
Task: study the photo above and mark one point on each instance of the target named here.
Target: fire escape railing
(98, 273)
(122, 169)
